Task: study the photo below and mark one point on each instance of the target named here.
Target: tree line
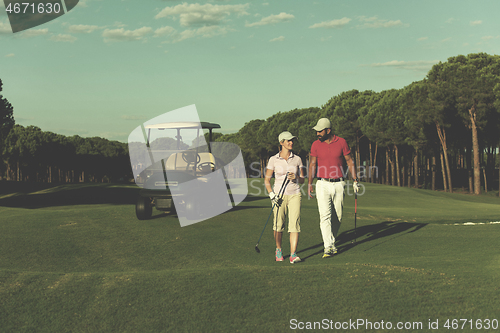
(30, 154)
(442, 132)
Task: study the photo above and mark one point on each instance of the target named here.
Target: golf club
(355, 212)
(280, 195)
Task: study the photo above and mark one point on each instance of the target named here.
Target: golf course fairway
(75, 258)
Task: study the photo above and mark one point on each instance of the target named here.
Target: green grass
(76, 259)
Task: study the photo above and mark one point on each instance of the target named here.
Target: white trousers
(330, 198)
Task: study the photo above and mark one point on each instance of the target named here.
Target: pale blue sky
(107, 66)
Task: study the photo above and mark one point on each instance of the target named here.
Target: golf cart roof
(184, 124)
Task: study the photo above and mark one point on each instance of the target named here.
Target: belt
(332, 180)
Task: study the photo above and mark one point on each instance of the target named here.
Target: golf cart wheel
(143, 208)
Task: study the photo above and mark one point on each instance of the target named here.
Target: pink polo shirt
(330, 157)
(280, 166)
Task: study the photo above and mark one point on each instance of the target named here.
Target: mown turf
(77, 266)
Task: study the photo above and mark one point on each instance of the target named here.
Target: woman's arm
(302, 174)
(267, 180)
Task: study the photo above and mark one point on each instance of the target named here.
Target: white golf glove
(275, 200)
(355, 186)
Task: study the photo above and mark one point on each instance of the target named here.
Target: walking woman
(286, 165)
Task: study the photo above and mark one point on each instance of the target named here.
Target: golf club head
(257, 248)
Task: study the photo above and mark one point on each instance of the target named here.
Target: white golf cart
(178, 173)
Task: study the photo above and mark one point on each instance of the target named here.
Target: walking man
(328, 154)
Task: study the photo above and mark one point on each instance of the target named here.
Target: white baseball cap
(285, 136)
(322, 124)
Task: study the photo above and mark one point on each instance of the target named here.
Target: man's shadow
(349, 239)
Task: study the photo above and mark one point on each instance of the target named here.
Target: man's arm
(312, 169)
(351, 166)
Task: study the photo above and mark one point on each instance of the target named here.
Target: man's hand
(355, 186)
(310, 190)
(275, 200)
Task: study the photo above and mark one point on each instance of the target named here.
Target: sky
(105, 67)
